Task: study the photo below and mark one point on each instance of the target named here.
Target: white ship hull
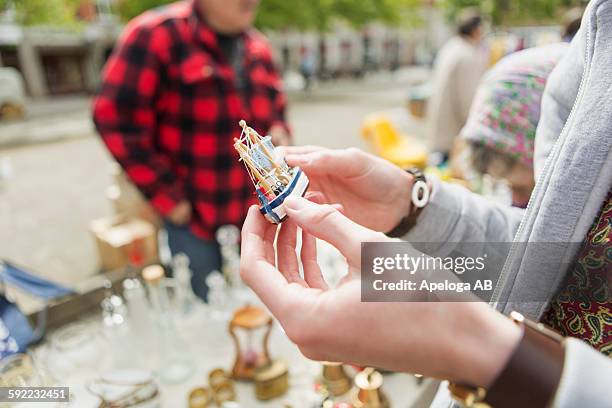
(274, 211)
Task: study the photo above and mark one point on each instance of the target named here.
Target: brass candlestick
(368, 390)
(334, 379)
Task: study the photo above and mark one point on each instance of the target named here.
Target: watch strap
(409, 221)
(529, 379)
(532, 375)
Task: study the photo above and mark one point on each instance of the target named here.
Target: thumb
(325, 222)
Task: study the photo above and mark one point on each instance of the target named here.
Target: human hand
(180, 214)
(463, 341)
(279, 136)
(374, 192)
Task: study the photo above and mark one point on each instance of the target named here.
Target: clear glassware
(140, 344)
(175, 365)
(78, 352)
(126, 388)
(114, 311)
(228, 237)
(184, 297)
(217, 296)
(137, 306)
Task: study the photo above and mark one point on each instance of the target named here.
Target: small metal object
(217, 377)
(200, 398)
(250, 328)
(420, 194)
(368, 390)
(224, 392)
(271, 381)
(125, 388)
(420, 190)
(335, 379)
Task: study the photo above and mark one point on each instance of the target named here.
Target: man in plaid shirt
(178, 82)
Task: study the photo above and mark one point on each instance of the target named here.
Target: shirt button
(206, 71)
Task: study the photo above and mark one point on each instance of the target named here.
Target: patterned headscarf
(506, 108)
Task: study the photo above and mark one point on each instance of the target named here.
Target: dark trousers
(204, 255)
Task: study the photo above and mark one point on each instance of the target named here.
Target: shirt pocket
(198, 73)
(201, 90)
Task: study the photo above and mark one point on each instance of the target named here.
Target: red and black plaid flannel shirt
(169, 109)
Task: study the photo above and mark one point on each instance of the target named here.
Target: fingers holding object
(312, 271)
(286, 255)
(343, 163)
(327, 223)
(255, 267)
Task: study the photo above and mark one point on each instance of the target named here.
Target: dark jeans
(204, 255)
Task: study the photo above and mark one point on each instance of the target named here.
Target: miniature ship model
(274, 180)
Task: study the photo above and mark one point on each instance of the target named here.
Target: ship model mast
(269, 175)
(274, 180)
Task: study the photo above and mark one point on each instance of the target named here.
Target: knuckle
(243, 272)
(245, 267)
(354, 151)
(326, 212)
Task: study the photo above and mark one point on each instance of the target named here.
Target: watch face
(420, 194)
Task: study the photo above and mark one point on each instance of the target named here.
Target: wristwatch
(529, 379)
(419, 198)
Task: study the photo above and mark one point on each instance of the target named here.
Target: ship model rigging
(273, 179)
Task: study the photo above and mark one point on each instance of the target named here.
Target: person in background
(308, 66)
(458, 68)
(570, 23)
(180, 79)
(500, 130)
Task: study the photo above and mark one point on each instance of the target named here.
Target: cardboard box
(121, 240)
(127, 200)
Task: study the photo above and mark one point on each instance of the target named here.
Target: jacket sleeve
(455, 214)
(585, 380)
(124, 115)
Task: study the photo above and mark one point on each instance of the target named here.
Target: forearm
(455, 214)
(479, 344)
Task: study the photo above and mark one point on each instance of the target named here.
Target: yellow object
(391, 145)
(497, 50)
(200, 398)
(271, 381)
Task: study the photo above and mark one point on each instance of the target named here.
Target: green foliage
(314, 14)
(45, 12)
(319, 14)
(129, 9)
(514, 12)
(273, 14)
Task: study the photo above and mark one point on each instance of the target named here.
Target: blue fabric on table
(31, 284)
